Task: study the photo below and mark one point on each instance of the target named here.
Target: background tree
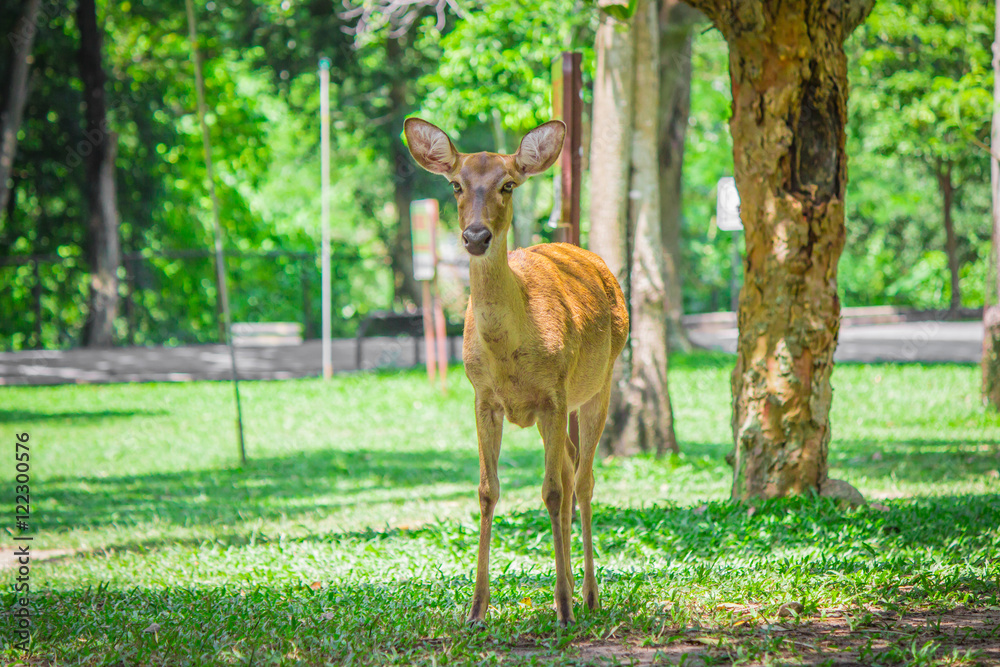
(625, 222)
(21, 38)
(676, 25)
(102, 202)
(922, 96)
(789, 80)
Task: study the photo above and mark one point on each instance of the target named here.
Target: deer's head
(483, 182)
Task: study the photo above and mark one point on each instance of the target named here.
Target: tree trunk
(21, 39)
(789, 80)
(991, 311)
(102, 211)
(676, 27)
(401, 248)
(947, 188)
(648, 420)
(610, 165)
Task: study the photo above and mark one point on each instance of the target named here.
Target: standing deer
(542, 332)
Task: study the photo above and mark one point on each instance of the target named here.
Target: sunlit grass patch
(350, 536)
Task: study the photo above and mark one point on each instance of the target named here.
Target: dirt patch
(959, 636)
(8, 557)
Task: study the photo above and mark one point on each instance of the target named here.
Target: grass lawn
(350, 536)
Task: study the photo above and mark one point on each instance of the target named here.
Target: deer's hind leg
(593, 414)
(557, 493)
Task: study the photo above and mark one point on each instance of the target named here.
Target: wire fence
(167, 297)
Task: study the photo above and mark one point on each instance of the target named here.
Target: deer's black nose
(477, 239)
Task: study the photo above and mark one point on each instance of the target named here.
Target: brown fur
(542, 332)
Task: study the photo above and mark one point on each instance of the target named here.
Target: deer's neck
(497, 298)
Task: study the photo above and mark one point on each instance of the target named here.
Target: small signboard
(727, 210)
(423, 228)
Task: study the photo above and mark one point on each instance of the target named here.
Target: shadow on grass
(309, 482)
(718, 532)
(917, 460)
(21, 416)
(271, 488)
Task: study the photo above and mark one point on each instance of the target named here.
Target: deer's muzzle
(477, 239)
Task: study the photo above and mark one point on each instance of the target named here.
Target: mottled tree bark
(22, 38)
(676, 27)
(789, 81)
(991, 311)
(610, 165)
(102, 209)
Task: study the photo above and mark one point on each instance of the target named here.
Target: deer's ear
(430, 146)
(540, 148)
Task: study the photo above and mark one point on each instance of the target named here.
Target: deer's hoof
(592, 599)
(477, 615)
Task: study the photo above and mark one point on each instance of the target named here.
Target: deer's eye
(456, 186)
(508, 187)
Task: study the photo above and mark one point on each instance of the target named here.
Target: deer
(543, 329)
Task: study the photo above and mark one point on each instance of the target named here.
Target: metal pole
(569, 105)
(572, 153)
(427, 309)
(441, 334)
(324, 111)
(220, 267)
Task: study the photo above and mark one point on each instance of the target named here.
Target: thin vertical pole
(442, 337)
(428, 308)
(569, 105)
(324, 110)
(572, 115)
(220, 267)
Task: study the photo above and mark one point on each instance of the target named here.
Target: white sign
(423, 231)
(727, 208)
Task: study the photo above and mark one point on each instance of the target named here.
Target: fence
(167, 297)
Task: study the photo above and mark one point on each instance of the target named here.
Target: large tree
(625, 222)
(788, 73)
(102, 206)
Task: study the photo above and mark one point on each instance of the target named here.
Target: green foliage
(921, 100)
(353, 539)
(620, 12)
(708, 156)
(499, 59)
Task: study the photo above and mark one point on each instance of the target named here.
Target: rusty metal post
(572, 153)
(567, 102)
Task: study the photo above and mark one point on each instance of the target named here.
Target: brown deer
(542, 332)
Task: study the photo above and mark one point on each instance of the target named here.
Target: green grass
(350, 537)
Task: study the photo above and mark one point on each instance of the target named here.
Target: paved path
(917, 341)
(933, 341)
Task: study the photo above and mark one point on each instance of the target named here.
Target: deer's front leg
(489, 429)
(557, 493)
